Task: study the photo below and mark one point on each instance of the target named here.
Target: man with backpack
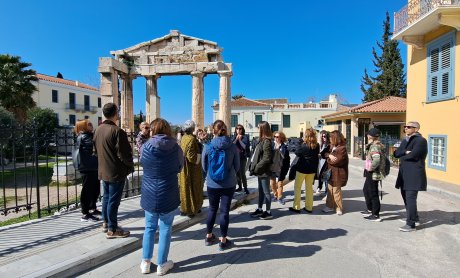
(374, 171)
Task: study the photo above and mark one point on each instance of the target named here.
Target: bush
(6, 117)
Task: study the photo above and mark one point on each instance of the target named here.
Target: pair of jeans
(371, 194)
(222, 196)
(90, 191)
(152, 221)
(264, 192)
(241, 174)
(309, 179)
(410, 201)
(111, 202)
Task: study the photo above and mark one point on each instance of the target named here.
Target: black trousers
(410, 201)
(219, 197)
(241, 174)
(371, 194)
(90, 191)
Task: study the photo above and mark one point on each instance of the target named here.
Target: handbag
(293, 170)
(326, 175)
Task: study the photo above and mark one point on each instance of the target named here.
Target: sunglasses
(238, 128)
(408, 126)
(276, 136)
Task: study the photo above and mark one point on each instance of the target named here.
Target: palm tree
(16, 88)
(235, 97)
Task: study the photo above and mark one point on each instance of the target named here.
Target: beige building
(291, 118)
(70, 100)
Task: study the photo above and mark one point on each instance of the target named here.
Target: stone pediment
(171, 49)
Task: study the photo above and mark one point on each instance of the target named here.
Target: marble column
(198, 99)
(152, 100)
(109, 88)
(225, 111)
(126, 104)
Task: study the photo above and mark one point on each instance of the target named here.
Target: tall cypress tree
(390, 77)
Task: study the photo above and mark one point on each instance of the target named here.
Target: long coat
(339, 168)
(191, 177)
(262, 159)
(412, 174)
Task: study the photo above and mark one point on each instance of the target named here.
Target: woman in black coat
(324, 150)
(88, 169)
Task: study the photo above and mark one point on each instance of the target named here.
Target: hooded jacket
(162, 159)
(232, 158)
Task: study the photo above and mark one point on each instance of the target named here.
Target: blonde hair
(143, 124)
(281, 136)
(82, 126)
(310, 138)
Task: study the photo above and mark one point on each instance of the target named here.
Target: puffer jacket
(162, 159)
(88, 161)
(232, 162)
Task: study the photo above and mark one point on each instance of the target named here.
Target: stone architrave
(152, 102)
(225, 97)
(198, 99)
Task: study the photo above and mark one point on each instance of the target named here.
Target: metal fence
(37, 173)
(389, 142)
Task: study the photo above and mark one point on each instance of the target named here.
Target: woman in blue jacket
(220, 163)
(162, 159)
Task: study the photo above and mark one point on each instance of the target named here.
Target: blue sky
(292, 49)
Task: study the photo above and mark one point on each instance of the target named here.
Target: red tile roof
(273, 100)
(65, 81)
(244, 102)
(385, 105)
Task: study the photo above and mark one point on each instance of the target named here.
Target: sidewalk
(62, 246)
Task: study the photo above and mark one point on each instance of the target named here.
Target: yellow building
(387, 114)
(430, 29)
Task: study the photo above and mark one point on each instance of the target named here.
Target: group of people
(175, 172)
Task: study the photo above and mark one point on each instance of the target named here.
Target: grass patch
(33, 215)
(8, 199)
(45, 172)
(64, 183)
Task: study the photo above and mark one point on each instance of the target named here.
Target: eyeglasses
(146, 127)
(408, 126)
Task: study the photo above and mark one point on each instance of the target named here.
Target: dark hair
(219, 128)
(337, 138)
(264, 130)
(109, 110)
(242, 128)
(160, 126)
(328, 139)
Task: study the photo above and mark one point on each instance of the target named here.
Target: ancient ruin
(173, 54)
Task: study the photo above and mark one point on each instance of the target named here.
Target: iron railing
(389, 142)
(415, 9)
(37, 173)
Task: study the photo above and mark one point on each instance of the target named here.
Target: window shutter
(440, 68)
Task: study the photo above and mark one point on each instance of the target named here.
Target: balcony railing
(81, 107)
(417, 9)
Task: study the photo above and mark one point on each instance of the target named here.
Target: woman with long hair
(337, 162)
(260, 166)
(220, 164)
(162, 159)
(241, 141)
(306, 168)
(324, 150)
(91, 186)
(280, 166)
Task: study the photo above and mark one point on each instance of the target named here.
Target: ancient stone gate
(173, 54)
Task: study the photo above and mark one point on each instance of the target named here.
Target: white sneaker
(339, 212)
(417, 223)
(145, 267)
(327, 209)
(164, 268)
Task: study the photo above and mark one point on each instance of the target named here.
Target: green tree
(44, 118)
(390, 77)
(16, 86)
(235, 97)
(6, 117)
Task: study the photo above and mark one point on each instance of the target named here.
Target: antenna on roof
(59, 75)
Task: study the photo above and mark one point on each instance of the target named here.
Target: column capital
(226, 73)
(154, 76)
(198, 74)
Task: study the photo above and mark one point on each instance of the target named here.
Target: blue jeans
(222, 196)
(264, 192)
(164, 241)
(111, 202)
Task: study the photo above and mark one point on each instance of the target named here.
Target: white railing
(416, 9)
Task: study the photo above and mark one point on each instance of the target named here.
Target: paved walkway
(64, 246)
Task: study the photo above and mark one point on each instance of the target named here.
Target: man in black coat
(412, 175)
